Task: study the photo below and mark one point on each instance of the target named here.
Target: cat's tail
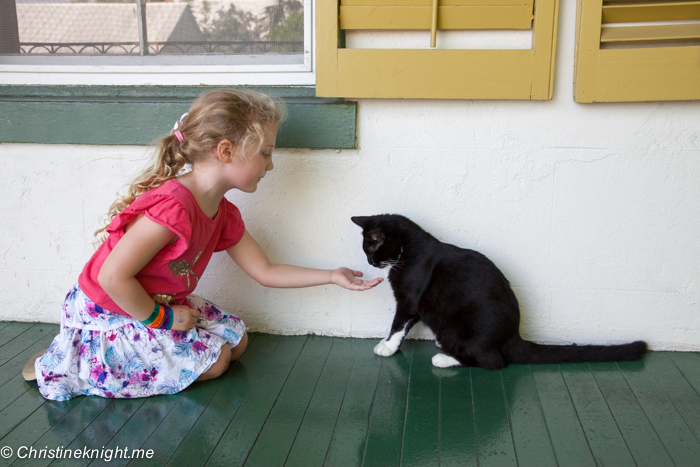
(522, 351)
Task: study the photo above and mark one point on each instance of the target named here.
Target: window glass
(141, 32)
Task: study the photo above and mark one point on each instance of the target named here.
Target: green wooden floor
(311, 401)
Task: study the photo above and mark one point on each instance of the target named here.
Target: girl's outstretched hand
(350, 279)
(184, 318)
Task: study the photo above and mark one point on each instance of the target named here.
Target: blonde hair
(240, 117)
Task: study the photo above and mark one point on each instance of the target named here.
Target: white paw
(444, 361)
(385, 349)
(438, 345)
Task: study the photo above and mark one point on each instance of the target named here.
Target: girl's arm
(141, 242)
(248, 254)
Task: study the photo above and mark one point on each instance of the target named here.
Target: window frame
(169, 75)
(139, 115)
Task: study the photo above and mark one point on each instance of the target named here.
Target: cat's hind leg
(391, 344)
(491, 360)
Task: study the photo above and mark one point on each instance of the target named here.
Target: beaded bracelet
(161, 318)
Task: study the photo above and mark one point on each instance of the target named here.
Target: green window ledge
(139, 115)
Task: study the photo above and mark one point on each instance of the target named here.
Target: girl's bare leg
(238, 350)
(227, 356)
(218, 368)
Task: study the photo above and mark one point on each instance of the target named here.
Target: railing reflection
(155, 48)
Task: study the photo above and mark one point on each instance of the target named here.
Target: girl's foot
(28, 372)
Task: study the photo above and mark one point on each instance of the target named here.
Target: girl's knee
(219, 366)
(238, 350)
(224, 358)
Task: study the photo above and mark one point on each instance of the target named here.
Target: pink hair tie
(176, 129)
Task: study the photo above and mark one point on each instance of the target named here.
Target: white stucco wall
(591, 211)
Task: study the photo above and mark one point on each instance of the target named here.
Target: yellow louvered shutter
(435, 73)
(639, 50)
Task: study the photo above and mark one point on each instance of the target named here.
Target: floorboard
(457, 427)
(236, 386)
(533, 445)
(326, 401)
(12, 331)
(385, 435)
(669, 425)
(421, 437)
(494, 438)
(603, 435)
(101, 430)
(313, 437)
(682, 394)
(643, 442)
(351, 430)
(563, 424)
(240, 436)
(277, 435)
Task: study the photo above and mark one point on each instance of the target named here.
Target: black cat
(464, 299)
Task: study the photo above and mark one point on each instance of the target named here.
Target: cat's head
(382, 239)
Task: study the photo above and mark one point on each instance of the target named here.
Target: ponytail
(240, 117)
(167, 162)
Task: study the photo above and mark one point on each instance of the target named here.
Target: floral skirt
(102, 353)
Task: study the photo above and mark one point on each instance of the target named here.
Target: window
(436, 72)
(637, 51)
(139, 42)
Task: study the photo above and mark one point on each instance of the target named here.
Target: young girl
(130, 327)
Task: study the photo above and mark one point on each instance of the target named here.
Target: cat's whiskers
(395, 263)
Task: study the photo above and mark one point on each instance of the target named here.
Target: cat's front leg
(444, 361)
(391, 344)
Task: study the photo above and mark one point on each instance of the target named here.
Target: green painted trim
(139, 115)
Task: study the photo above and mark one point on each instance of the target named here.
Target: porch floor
(311, 401)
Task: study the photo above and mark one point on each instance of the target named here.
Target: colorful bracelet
(161, 318)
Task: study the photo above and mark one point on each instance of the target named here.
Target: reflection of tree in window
(286, 20)
(283, 22)
(230, 24)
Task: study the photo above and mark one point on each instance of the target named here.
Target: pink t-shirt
(175, 270)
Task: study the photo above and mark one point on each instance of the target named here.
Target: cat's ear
(360, 220)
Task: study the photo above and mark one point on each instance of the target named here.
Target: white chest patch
(384, 272)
